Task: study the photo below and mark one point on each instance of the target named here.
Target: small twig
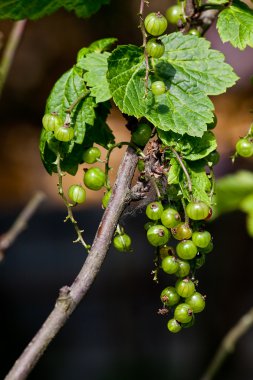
(70, 215)
(71, 296)
(72, 106)
(9, 51)
(184, 169)
(144, 38)
(227, 345)
(8, 238)
(158, 193)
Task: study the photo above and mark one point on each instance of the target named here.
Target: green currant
(189, 324)
(148, 225)
(94, 178)
(106, 198)
(158, 235)
(174, 326)
(155, 24)
(194, 32)
(183, 268)
(91, 155)
(201, 238)
(174, 14)
(158, 87)
(170, 264)
(213, 158)
(165, 251)
(207, 249)
(142, 134)
(77, 193)
(213, 124)
(51, 121)
(196, 301)
(182, 231)
(122, 242)
(154, 210)
(183, 313)
(197, 210)
(186, 249)
(170, 218)
(141, 165)
(185, 288)
(169, 296)
(244, 148)
(64, 133)
(155, 48)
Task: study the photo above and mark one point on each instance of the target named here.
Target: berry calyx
(158, 87)
(94, 178)
(91, 155)
(158, 235)
(155, 24)
(77, 194)
(51, 121)
(154, 210)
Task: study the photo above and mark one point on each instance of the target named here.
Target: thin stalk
(10, 50)
(184, 169)
(72, 106)
(70, 215)
(144, 43)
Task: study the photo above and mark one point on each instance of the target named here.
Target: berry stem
(72, 106)
(70, 215)
(186, 217)
(181, 163)
(144, 38)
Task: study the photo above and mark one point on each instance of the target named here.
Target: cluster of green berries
(192, 244)
(54, 123)
(244, 146)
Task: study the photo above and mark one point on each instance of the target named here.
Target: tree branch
(7, 239)
(228, 343)
(70, 297)
(9, 51)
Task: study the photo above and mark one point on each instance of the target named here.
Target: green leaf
(249, 224)
(34, 9)
(96, 67)
(235, 24)
(232, 189)
(190, 148)
(190, 70)
(201, 184)
(174, 172)
(246, 204)
(219, 2)
(97, 46)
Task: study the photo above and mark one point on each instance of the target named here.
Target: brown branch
(7, 239)
(9, 51)
(70, 297)
(227, 345)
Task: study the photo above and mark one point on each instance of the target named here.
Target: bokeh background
(116, 332)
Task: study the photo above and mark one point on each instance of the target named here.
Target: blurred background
(116, 332)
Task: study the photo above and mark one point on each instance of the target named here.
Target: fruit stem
(70, 215)
(186, 217)
(72, 106)
(181, 163)
(144, 43)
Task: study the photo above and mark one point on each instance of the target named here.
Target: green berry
(91, 155)
(155, 24)
(196, 301)
(194, 32)
(122, 242)
(142, 134)
(155, 48)
(183, 313)
(158, 235)
(174, 14)
(170, 264)
(197, 210)
(106, 198)
(244, 148)
(207, 249)
(170, 218)
(182, 231)
(51, 121)
(154, 210)
(186, 249)
(183, 268)
(185, 288)
(64, 133)
(77, 193)
(169, 296)
(158, 87)
(141, 165)
(201, 238)
(94, 178)
(174, 326)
